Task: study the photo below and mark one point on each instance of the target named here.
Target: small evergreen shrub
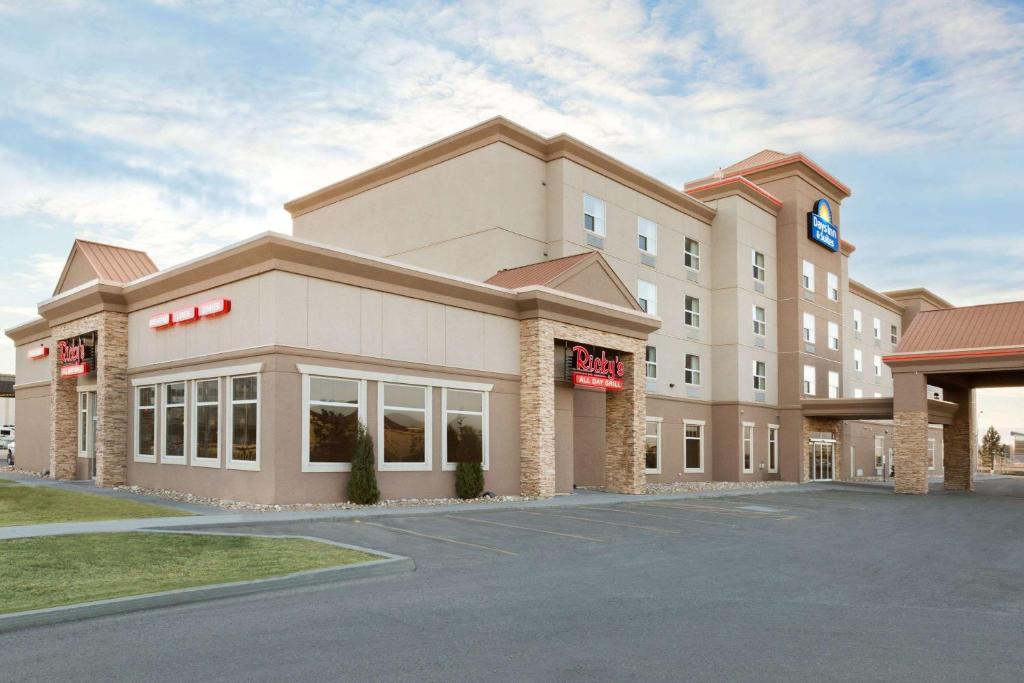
(362, 481)
(469, 479)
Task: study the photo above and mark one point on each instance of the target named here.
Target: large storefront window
(404, 427)
(206, 422)
(693, 446)
(335, 409)
(174, 423)
(652, 447)
(465, 427)
(145, 424)
(244, 422)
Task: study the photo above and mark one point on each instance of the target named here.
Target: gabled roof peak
(89, 260)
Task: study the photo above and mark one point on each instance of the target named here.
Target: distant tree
(991, 448)
(362, 481)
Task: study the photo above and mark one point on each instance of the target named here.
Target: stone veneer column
(910, 420)
(112, 405)
(112, 400)
(537, 408)
(625, 425)
(956, 443)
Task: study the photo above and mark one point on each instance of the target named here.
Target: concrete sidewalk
(227, 518)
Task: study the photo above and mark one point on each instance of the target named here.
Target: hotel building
(529, 302)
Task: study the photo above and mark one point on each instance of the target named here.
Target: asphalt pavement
(852, 584)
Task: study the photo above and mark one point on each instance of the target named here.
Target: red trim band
(953, 354)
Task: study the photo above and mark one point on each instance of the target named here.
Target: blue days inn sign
(820, 228)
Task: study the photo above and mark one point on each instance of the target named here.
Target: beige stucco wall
(28, 371)
(866, 380)
(286, 309)
(496, 192)
(33, 428)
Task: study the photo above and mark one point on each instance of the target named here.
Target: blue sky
(179, 127)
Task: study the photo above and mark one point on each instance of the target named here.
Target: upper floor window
(691, 255)
(760, 375)
(691, 375)
(593, 215)
(691, 311)
(760, 324)
(808, 328)
(833, 384)
(858, 393)
(652, 363)
(808, 276)
(758, 262)
(647, 235)
(809, 381)
(857, 324)
(833, 286)
(894, 335)
(647, 296)
(877, 328)
(878, 366)
(858, 362)
(833, 336)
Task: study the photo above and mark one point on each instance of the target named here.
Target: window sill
(173, 460)
(242, 466)
(404, 467)
(450, 467)
(206, 462)
(144, 458)
(326, 467)
(693, 471)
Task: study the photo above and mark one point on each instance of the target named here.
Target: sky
(180, 127)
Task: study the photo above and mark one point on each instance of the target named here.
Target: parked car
(6, 436)
(10, 454)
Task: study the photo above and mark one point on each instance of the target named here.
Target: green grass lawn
(42, 504)
(63, 570)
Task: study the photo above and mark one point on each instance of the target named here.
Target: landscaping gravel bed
(307, 507)
(698, 486)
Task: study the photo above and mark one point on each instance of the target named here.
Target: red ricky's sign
(593, 371)
(76, 356)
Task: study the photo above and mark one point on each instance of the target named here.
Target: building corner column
(958, 472)
(536, 408)
(625, 426)
(112, 400)
(910, 422)
(63, 426)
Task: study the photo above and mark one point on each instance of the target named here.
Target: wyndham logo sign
(820, 228)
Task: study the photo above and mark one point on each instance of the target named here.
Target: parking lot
(852, 584)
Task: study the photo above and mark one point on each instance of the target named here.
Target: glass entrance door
(87, 430)
(92, 433)
(823, 460)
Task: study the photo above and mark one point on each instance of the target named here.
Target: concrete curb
(390, 564)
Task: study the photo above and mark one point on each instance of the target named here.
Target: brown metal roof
(970, 327)
(536, 273)
(118, 264)
(765, 156)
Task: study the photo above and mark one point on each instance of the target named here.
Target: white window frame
(879, 452)
(833, 336)
(144, 457)
(164, 406)
(695, 423)
(833, 375)
(485, 457)
(877, 364)
(762, 377)
(760, 325)
(692, 256)
(82, 426)
(858, 393)
(687, 371)
(657, 469)
(650, 366)
(810, 386)
(832, 283)
(744, 442)
(194, 436)
(876, 328)
(428, 433)
(894, 335)
(600, 215)
(858, 323)
(932, 450)
(651, 300)
(762, 269)
(858, 360)
(694, 315)
(807, 275)
(809, 324)
(308, 466)
(773, 448)
(648, 229)
(230, 462)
